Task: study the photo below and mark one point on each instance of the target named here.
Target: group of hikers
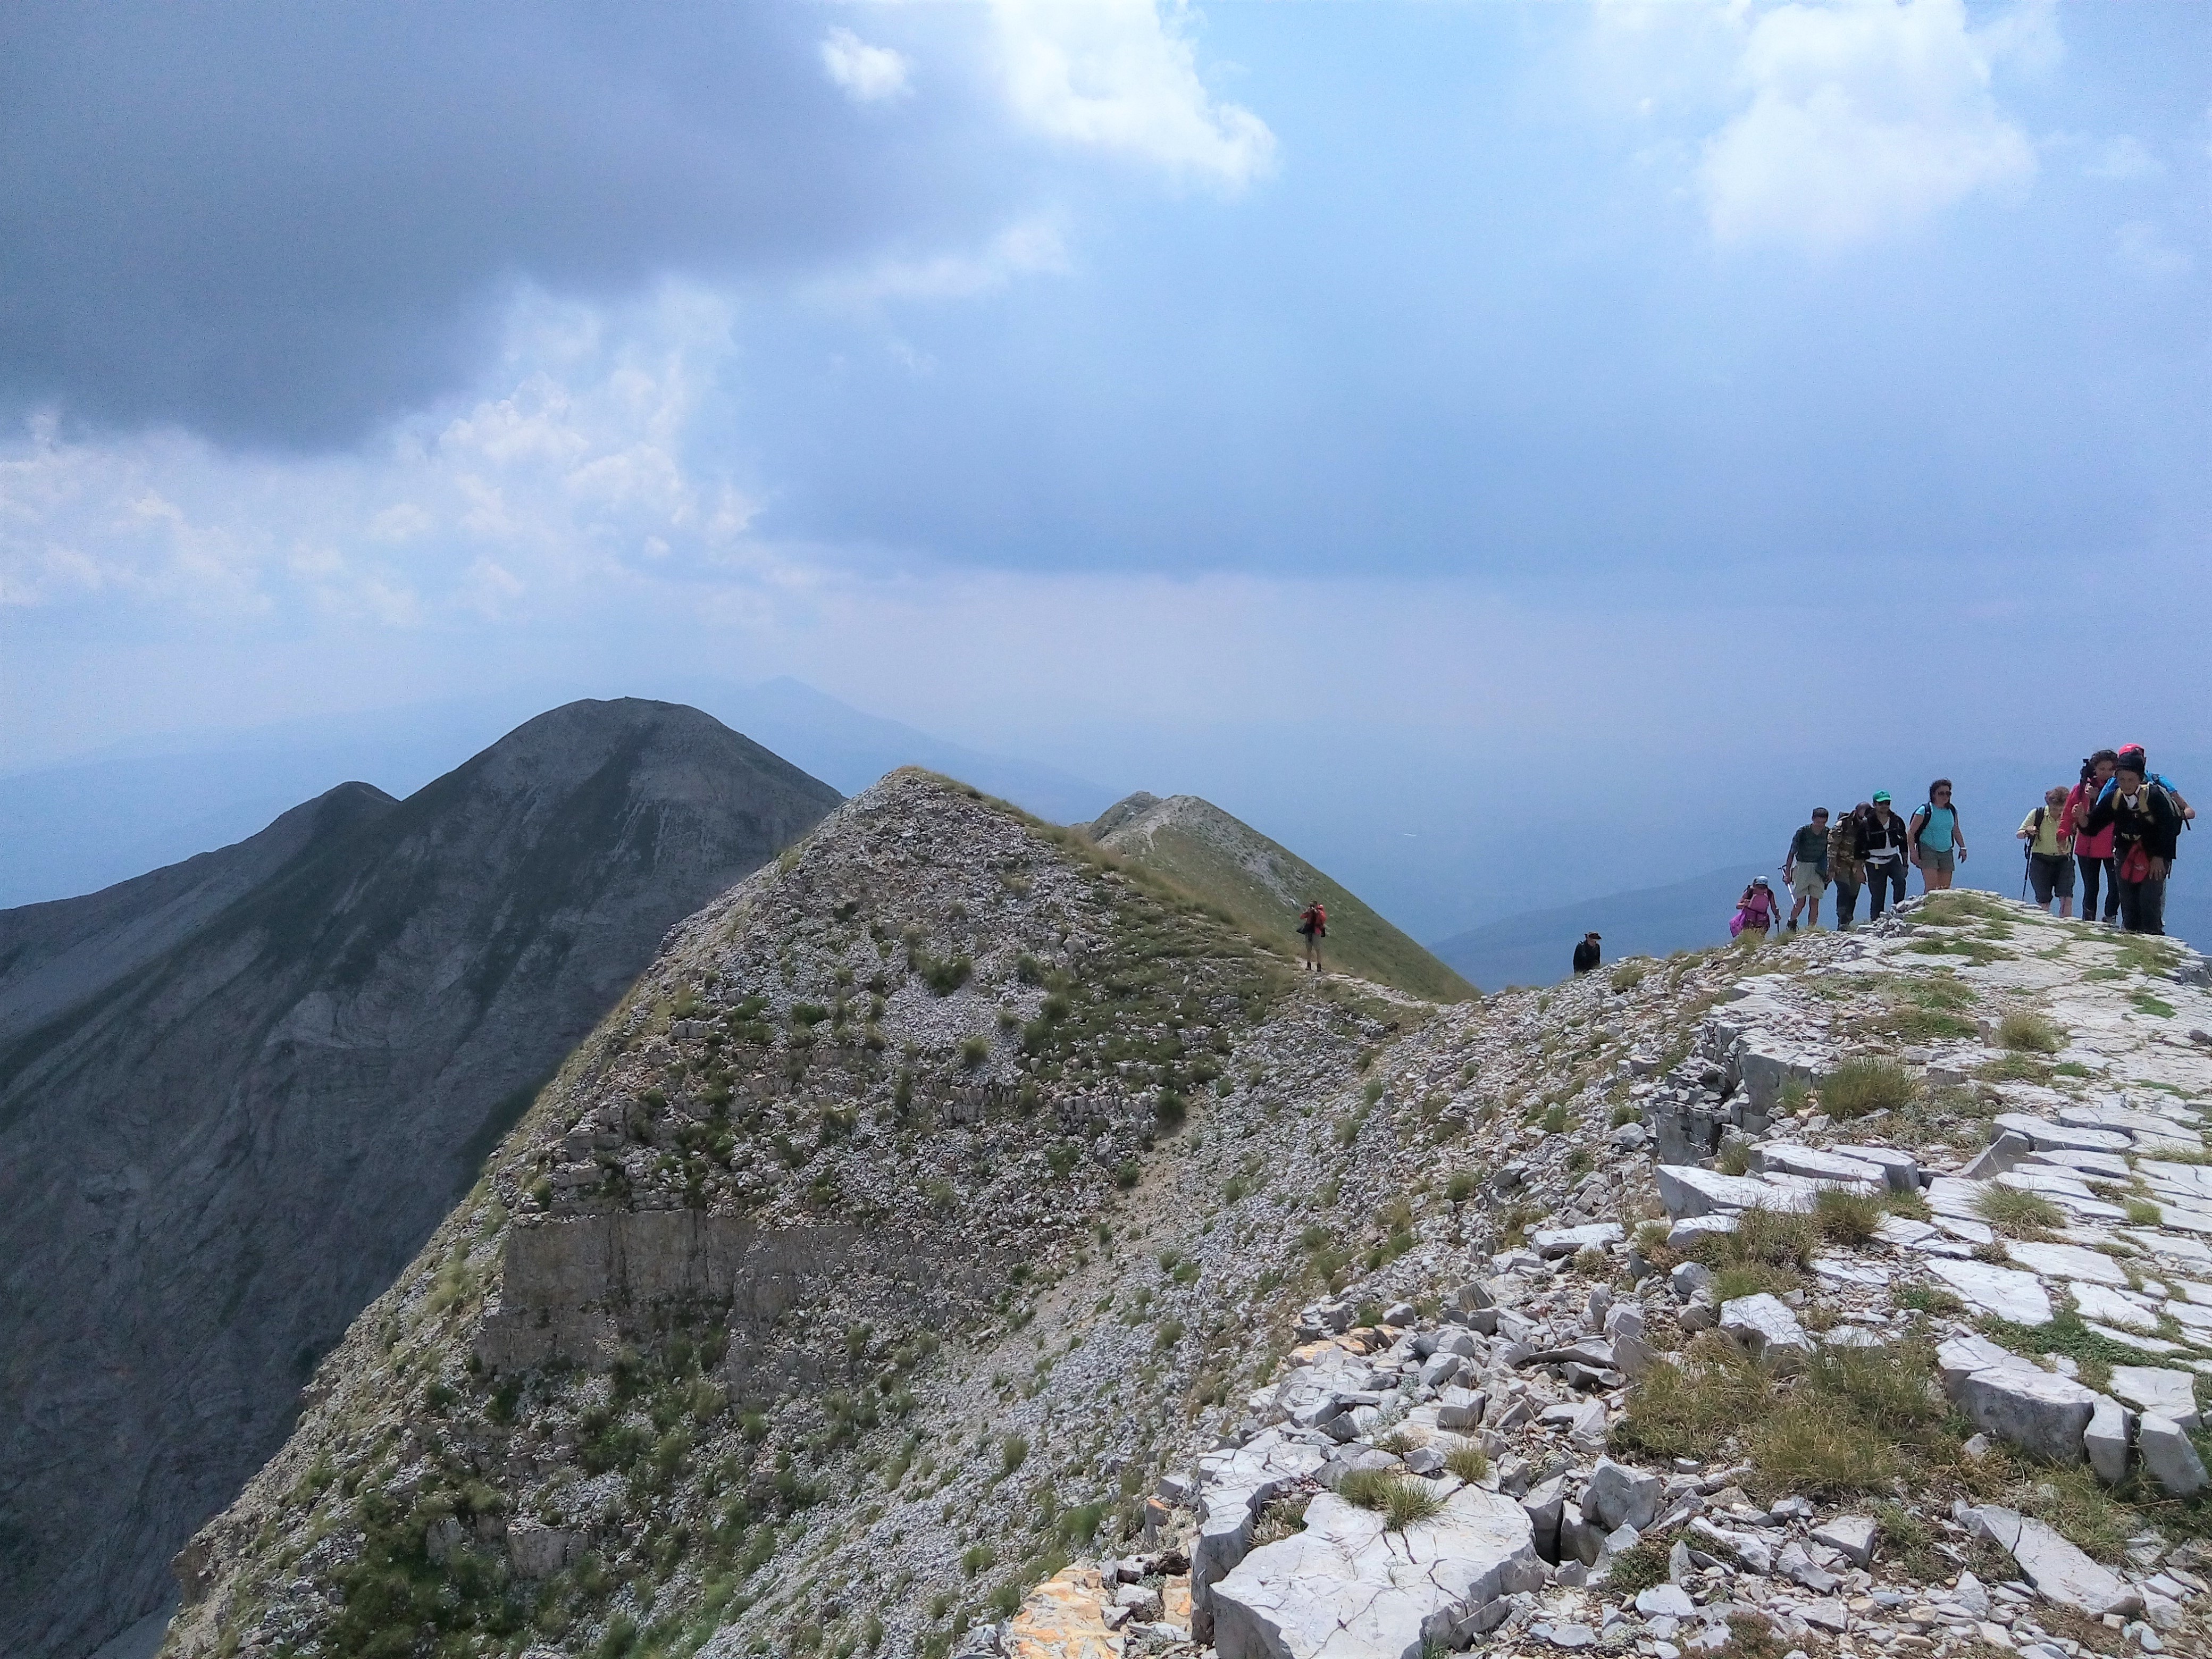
(2119, 826)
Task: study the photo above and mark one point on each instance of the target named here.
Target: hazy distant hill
(1265, 886)
(237, 1094)
(1537, 947)
(77, 827)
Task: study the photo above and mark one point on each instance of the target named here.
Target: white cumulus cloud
(1121, 75)
(868, 74)
(1865, 118)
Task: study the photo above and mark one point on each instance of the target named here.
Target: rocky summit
(959, 1245)
(237, 1094)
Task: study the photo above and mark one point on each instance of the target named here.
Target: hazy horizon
(1503, 451)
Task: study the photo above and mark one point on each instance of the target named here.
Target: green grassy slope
(1264, 885)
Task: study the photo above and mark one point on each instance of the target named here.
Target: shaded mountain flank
(1264, 885)
(237, 1094)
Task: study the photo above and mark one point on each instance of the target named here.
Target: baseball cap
(1881, 794)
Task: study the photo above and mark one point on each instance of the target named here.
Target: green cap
(1881, 794)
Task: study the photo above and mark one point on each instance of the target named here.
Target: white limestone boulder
(1765, 1325)
(1348, 1588)
(1814, 1163)
(1684, 1189)
(1234, 1485)
(2148, 1388)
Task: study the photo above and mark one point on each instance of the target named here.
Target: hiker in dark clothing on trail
(2146, 822)
(1586, 953)
(1847, 861)
(1313, 922)
(1805, 868)
(1882, 844)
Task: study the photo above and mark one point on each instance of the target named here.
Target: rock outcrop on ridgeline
(1882, 1349)
(237, 1094)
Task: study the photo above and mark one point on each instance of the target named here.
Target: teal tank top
(1935, 834)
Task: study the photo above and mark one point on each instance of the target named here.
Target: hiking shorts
(1941, 863)
(1809, 882)
(2050, 874)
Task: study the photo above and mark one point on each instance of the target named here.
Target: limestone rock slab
(1617, 1496)
(2168, 1456)
(2058, 1570)
(2044, 1414)
(2066, 1261)
(1765, 1324)
(1684, 1189)
(2155, 1388)
(1346, 1588)
(2004, 1291)
(2106, 1441)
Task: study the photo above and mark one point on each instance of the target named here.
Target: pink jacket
(2078, 803)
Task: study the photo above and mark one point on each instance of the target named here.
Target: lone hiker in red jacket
(1313, 922)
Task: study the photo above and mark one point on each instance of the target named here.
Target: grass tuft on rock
(2031, 1033)
(2018, 1214)
(1639, 1567)
(1402, 1500)
(1468, 1462)
(1858, 1087)
(1846, 1217)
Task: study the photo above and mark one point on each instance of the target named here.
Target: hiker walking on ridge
(1313, 922)
(1882, 844)
(2134, 751)
(2049, 851)
(2146, 820)
(1586, 953)
(1755, 911)
(2093, 853)
(1847, 861)
(1805, 867)
(1934, 840)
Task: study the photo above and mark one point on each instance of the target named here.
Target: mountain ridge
(1265, 886)
(267, 1099)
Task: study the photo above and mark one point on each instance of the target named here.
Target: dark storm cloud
(280, 223)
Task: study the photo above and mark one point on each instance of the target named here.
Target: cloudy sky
(1411, 426)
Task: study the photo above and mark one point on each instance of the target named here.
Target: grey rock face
(2106, 1441)
(2045, 1415)
(2055, 1567)
(1617, 1496)
(1399, 1591)
(2169, 1457)
(1765, 1325)
(259, 1079)
(2171, 1393)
